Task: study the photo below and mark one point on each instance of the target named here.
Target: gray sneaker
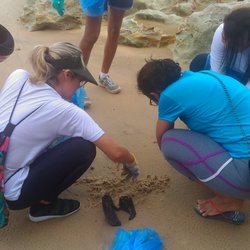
(109, 85)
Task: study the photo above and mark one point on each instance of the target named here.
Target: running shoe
(57, 209)
(109, 85)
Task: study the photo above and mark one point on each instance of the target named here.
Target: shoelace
(236, 216)
(108, 81)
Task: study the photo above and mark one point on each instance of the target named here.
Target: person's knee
(174, 141)
(114, 33)
(90, 40)
(85, 148)
(199, 62)
(91, 149)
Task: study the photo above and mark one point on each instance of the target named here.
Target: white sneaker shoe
(109, 85)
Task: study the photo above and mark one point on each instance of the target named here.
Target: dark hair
(156, 75)
(6, 42)
(236, 33)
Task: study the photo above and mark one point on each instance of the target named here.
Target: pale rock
(197, 34)
(39, 15)
(149, 28)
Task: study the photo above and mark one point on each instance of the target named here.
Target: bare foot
(219, 204)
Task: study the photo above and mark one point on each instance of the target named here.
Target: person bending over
(215, 149)
(35, 173)
(230, 48)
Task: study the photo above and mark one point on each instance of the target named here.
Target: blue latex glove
(59, 6)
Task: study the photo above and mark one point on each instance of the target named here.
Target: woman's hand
(131, 170)
(119, 154)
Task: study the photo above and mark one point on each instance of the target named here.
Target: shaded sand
(163, 199)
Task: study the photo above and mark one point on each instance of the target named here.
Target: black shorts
(119, 4)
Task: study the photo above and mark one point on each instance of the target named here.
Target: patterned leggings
(203, 160)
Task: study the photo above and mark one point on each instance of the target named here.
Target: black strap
(10, 126)
(12, 175)
(17, 100)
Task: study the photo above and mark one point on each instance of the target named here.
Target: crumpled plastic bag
(78, 97)
(93, 7)
(59, 6)
(137, 239)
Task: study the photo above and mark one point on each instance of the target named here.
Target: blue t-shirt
(201, 103)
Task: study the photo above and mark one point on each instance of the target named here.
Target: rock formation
(185, 26)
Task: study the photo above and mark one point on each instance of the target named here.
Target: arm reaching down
(161, 127)
(118, 154)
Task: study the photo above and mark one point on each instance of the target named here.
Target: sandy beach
(163, 199)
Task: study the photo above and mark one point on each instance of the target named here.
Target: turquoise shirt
(201, 103)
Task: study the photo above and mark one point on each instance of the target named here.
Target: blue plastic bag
(93, 7)
(78, 97)
(137, 239)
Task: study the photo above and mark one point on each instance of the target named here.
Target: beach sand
(163, 198)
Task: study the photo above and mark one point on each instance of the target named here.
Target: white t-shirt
(218, 52)
(55, 117)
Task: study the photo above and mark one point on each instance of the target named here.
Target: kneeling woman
(35, 173)
(215, 149)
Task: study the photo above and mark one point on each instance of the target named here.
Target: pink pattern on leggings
(202, 159)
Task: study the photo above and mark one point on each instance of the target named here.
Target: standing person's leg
(114, 25)
(52, 173)
(116, 9)
(201, 159)
(115, 18)
(90, 36)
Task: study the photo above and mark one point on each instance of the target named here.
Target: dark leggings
(200, 62)
(54, 171)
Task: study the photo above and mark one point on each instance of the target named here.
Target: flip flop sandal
(233, 217)
(109, 211)
(126, 204)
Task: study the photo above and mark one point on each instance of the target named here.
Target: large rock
(188, 24)
(39, 15)
(149, 28)
(196, 36)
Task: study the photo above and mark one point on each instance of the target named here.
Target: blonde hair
(42, 58)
